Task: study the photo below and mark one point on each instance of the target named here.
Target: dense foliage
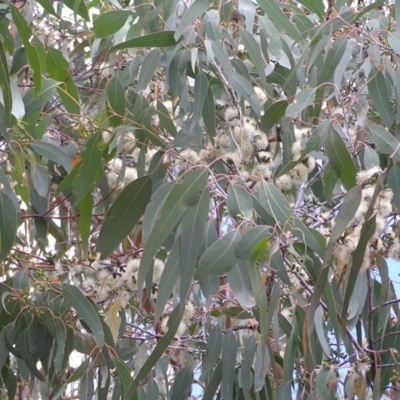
(199, 198)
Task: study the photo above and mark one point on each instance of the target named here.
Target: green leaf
(124, 214)
(168, 278)
(5, 84)
(394, 184)
(320, 329)
(272, 115)
(380, 96)
(367, 230)
(165, 119)
(196, 9)
(124, 374)
(158, 39)
(78, 7)
(214, 346)
(229, 349)
(254, 52)
(316, 6)
(314, 143)
(340, 158)
(209, 114)
(149, 66)
(85, 221)
(239, 203)
(154, 208)
(86, 310)
(110, 22)
(384, 141)
(58, 68)
(250, 239)
(246, 375)
(394, 41)
(192, 232)
(200, 94)
(89, 168)
(240, 284)
(271, 8)
(53, 153)
(182, 385)
(185, 192)
(303, 99)
(211, 388)
(9, 221)
(32, 104)
(219, 257)
(243, 87)
(173, 325)
(33, 55)
(115, 102)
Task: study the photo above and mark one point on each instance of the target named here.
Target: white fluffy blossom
(363, 176)
(284, 182)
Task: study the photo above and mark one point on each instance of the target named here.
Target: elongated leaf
(200, 94)
(115, 102)
(394, 184)
(86, 310)
(58, 68)
(173, 325)
(243, 87)
(216, 377)
(124, 374)
(219, 257)
(315, 6)
(209, 114)
(165, 119)
(240, 284)
(380, 97)
(168, 278)
(384, 141)
(110, 22)
(340, 159)
(185, 192)
(88, 169)
(247, 364)
(239, 202)
(149, 66)
(274, 12)
(158, 39)
(5, 84)
(214, 347)
(192, 226)
(9, 221)
(33, 55)
(254, 52)
(124, 214)
(53, 153)
(182, 385)
(85, 220)
(195, 10)
(229, 349)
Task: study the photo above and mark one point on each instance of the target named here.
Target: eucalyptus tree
(199, 198)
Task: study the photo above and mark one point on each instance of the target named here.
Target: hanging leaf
(124, 214)
(115, 102)
(340, 158)
(220, 257)
(86, 310)
(380, 96)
